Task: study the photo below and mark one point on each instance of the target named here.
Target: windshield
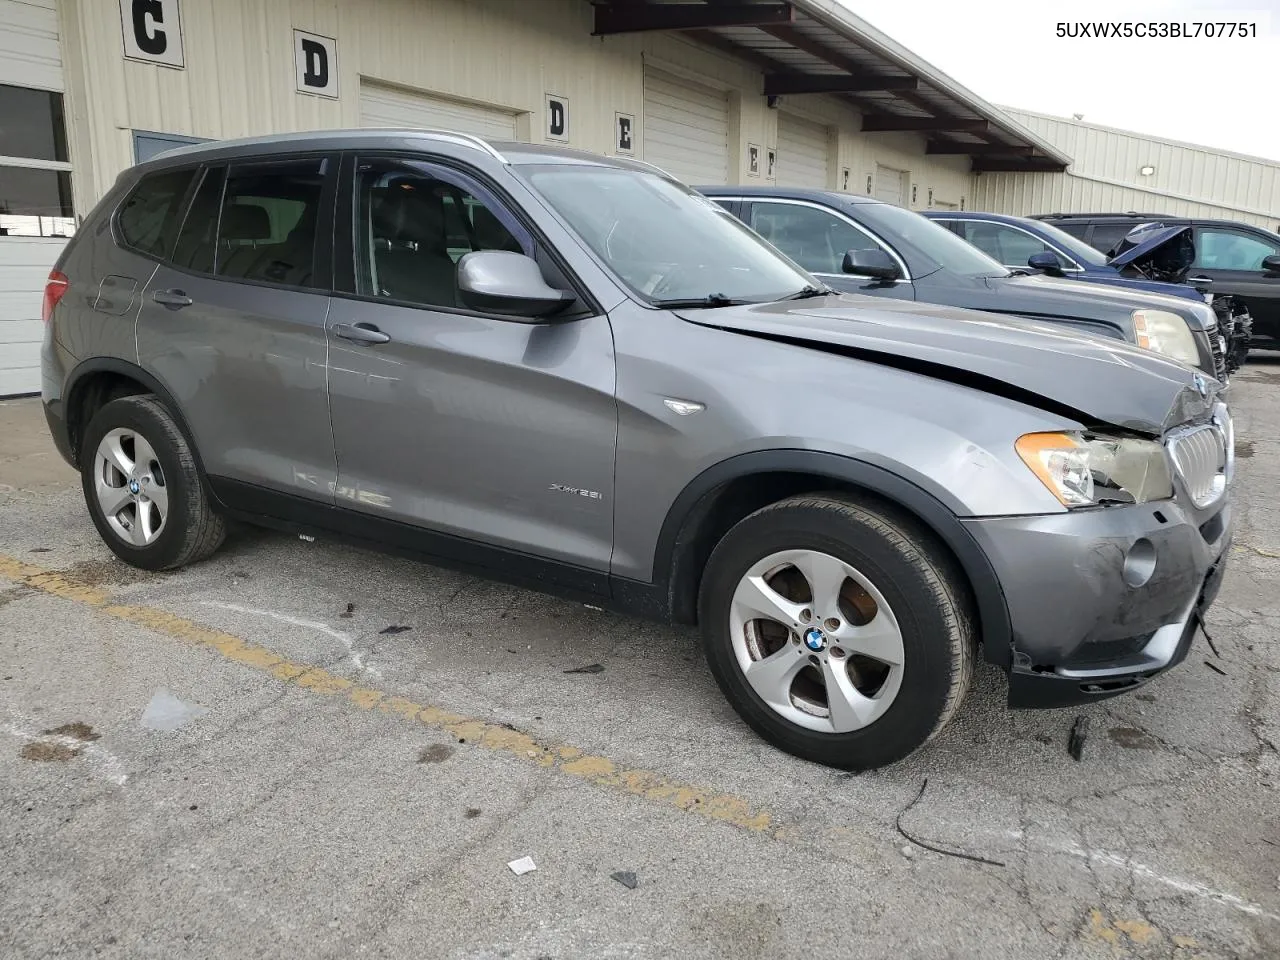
(1078, 249)
(933, 240)
(664, 241)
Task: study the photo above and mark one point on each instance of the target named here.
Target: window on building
(1221, 248)
(35, 177)
(813, 238)
(267, 222)
(148, 219)
(413, 226)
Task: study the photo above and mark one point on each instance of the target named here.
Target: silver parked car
(574, 373)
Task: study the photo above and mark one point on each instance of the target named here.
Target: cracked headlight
(1166, 333)
(1086, 469)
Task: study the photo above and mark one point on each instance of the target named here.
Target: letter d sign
(315, 60)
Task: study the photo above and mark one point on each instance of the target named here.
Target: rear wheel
(839, 632)
(143, 489)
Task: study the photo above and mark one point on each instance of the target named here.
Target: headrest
(245, 221)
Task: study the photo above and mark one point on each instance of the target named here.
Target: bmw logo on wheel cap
(815, 639)
(134, 486)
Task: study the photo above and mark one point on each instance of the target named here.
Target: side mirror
(1271, 264)
(1047, 261)
(875, 264)
(511, 284)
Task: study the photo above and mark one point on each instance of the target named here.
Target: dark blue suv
(1015, 241)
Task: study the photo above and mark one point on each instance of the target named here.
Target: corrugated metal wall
(1105, 176)
(239, 80)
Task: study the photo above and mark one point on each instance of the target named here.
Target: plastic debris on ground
(627, 878)
(1079, 734)
(589, 668)
(166, 712)
(396, 628)
(522, 866)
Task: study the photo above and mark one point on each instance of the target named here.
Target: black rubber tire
(918, 579)
(192, 531)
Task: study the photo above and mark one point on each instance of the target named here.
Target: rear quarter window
(148, 221)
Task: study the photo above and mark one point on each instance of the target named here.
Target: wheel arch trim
(125, 368)
(691, 505)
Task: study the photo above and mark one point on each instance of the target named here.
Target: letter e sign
(152, 31)
(557, 117)
(315, 59)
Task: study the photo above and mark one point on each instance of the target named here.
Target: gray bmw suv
(574, 373)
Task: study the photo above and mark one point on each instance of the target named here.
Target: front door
(817, 239)
(233, 323)
(1232, 259)
(451, 420)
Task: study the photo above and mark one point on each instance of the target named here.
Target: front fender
(673, 560)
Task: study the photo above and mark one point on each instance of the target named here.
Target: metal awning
(818, 46)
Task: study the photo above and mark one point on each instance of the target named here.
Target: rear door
(817, 238)
(1232, 258)
(232, 323)
(450, 420)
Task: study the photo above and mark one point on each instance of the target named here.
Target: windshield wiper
(711, 300)
(809, 292)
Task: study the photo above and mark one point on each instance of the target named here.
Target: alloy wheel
(129, 484)
(816, 641)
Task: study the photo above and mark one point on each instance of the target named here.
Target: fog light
(1139, 562)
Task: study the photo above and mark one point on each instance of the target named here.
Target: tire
(898, 707)
(142, 533)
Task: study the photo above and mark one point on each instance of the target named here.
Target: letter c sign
(152, 31)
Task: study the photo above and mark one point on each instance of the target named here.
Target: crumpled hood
(1149, 246)
(1091, 379)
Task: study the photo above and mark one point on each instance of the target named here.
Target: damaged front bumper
(1100, 601)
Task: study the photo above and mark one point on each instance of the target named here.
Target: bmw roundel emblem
(815, 639)
(134, 486)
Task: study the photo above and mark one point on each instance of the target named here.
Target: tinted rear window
(268, 220)
(148, 220)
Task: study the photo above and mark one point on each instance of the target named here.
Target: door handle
(172, 298)
(360, 333)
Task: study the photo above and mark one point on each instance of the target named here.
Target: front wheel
(143, 488)
(840, 632)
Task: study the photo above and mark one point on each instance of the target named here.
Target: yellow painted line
(563, 758)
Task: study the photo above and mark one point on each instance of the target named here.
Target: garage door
(890, 185)
(35, 189)
(391, 107)
(685, 129)
(804, 150)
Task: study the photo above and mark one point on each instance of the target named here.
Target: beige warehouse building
(798, 93)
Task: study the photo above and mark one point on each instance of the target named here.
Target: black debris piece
(396, 628)
(589, 668)
(928, 846)
(627, 878)
(1215, 668)
(346, 614)
(40, 550)
(1079, 734)
(472, 813)
(1208, 639)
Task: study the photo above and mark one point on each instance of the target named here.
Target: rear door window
(1107, 236)
(148, 220)
(198, 240)
(268, 222)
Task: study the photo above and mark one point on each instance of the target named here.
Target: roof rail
(467, 139)
(1111, 213)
